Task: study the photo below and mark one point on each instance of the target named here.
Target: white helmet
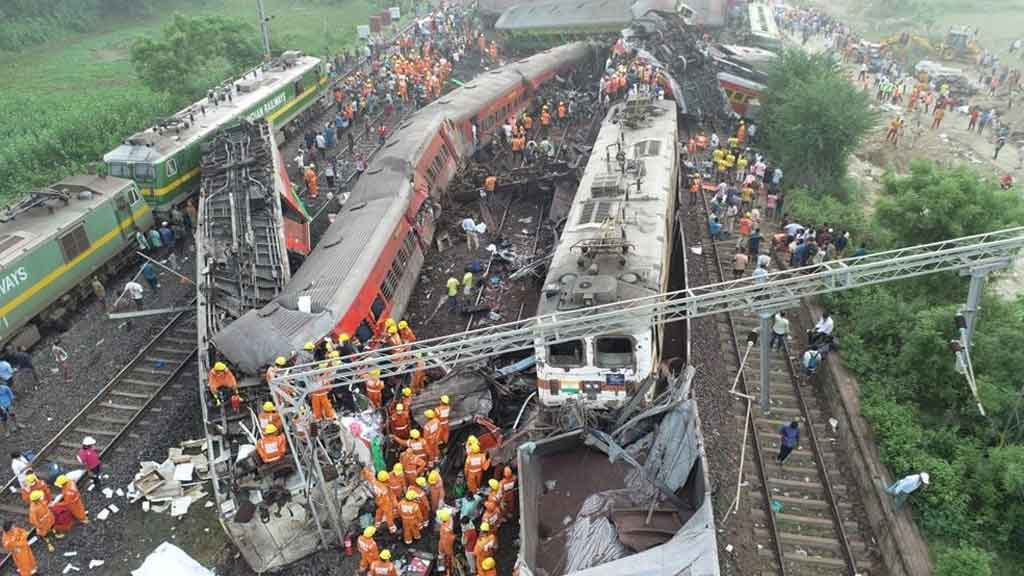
(88, 441)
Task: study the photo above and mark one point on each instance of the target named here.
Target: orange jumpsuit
(491, 572)
(15, 542)
(72, 498)
(400, 424)
(26, 493)
(474, 469)
(432, 437)
(446, 543)
(492, 513)
(490, 183)
(508, 494)
(382, 568)
(417, 445)
(40, 516)
(418, 376)
(412, 517)
(413, 464)
(368, 552)
(384, 501)
(269, 418)
(311, 184)
(421, 500)
(322, 407)
(218, 380)
(444, 411)
(396, 483)
(408, 336)
(374, 391)
(486, 546)
(436, 495)
(272, 448)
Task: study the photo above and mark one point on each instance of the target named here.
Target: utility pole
(264, 29)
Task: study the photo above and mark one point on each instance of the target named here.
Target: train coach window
(364, 332)
(171, 167)
(120, 170)
(74, 243)
(377, 307)
(614, 352)
(567, 354)
(144, 172)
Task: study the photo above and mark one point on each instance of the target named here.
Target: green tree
(964, 561)
(193, 53)
(813, 119)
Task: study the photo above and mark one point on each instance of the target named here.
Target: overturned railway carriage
(165, 159)
(53, 241)
(616, 247)
(367, 262)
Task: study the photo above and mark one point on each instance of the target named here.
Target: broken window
(364, 332)
(614, 352)
(647, 148)
(377, 308)
(567, 354)
(74, 243)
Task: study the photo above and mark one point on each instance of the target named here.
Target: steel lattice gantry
(970, 255)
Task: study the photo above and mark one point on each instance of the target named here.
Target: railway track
(117, 407)
(802, 516)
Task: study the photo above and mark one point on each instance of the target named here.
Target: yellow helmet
(399, 407)
(415, 434)
(485, 527)
(60, 481)
(280, 361)
(494, 484)
(407, 392)
(37, 495)
(392, 329)
(410, 494)
(403, 325)
(445, 399)
(324, 365)
(421, 481)
(268, 406)
(472, 440)
(375, 372)
(444, 515)
(31, 479)
(488, 564)
(344, 337)
(474, 448)
(369, 531)
(430, 414)
(397, 468)
(382, 476)
(385, 555)
(220, 367)
(434, 477)
(334, 354)
(270, 429)
(390, 322)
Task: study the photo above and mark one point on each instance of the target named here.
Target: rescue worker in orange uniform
(272, 446)
(432, 436)
(419, 375)
(490, 184)
(562, 111)
(412, 518)
(444, 411)
(40, 517)
(405, 331)
(399, 421)
(486, 545)
(396, 482)
(392, 339)
(419, 486)
(382, 498)
(476, 463)
(416, 443)
(508, 492)
(367, 546)
(412, 464)
(309, 176)
(15, 542)
(492, 514)
(741, 133)
(375, 388)
(321, 403)
(222, 383)
(446, 539)
(33, 483)
(269, 415)
(72, 498)
(279, 363)
(490, 567)
(383, 566)
(527, 122)
(436, 489)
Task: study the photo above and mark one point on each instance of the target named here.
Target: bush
(964, 561)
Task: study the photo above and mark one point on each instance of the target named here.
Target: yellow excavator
(958, 45)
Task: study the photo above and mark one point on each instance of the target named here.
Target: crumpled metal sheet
(470, 394)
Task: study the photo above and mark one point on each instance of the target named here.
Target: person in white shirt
(472, 237)
(780, 329)
(823, 329)
(904, 487)
(763, 260)
(134, 291)
(20, 466)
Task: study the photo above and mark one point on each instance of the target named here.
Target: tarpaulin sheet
(169, 559)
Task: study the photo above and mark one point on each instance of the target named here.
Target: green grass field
(63, 104)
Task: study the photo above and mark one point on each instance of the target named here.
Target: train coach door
(123, 210)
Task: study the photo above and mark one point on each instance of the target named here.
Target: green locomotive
(164, 159)
(53, 241)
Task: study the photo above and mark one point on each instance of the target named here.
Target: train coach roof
(579, 13)
(152, 144)
(32, 227)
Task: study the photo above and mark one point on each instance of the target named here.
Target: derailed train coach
(367, 262)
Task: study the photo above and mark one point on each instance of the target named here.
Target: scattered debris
(169, 485)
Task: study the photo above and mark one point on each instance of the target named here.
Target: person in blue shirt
(7, 408)
(167, 235)
(715, 228)
(149, 273)
(790, 439)
(6, 372)
(155, 242)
